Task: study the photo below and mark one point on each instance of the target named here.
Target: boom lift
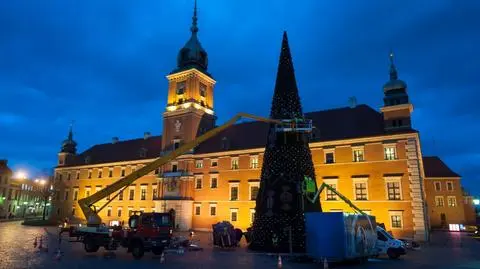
(148, 231)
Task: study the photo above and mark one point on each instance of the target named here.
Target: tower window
(203, 90)
(176, 144)
(180, 88)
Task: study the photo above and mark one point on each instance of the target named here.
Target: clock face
(177, 126)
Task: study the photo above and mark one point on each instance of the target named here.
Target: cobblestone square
(446, 250)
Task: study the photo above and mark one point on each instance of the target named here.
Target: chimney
(114, 140)
(146, 135)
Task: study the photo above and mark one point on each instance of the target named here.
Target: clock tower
(189, 110)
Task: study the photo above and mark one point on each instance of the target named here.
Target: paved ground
(447, 250)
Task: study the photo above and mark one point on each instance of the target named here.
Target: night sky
(103, 64)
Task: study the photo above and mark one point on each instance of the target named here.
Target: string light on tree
(280, 204)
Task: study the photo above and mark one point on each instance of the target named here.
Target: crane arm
(330, 188)
(87, 203)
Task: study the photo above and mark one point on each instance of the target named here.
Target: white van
(388, 245)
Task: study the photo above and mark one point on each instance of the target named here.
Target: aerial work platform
(298, 125)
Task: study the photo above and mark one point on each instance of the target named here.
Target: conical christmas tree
(280, 205)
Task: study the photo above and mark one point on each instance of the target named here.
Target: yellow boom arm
(87, 203)
(330, 188)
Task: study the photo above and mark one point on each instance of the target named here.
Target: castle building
(372, 157)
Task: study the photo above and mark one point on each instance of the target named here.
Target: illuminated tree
(280, 205)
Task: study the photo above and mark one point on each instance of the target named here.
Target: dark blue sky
(103, 64)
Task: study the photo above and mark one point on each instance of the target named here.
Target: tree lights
(279, 223)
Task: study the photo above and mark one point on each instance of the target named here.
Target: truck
(350, 236)
(145, 231)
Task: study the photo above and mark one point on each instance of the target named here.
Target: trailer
(337, 236)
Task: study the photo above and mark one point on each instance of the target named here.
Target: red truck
(145, 232)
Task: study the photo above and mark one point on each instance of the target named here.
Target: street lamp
(20, 175)
(476, 201)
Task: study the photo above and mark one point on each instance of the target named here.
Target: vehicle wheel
(392, 254)
(137, 250)
(90, 245)
(158, 250)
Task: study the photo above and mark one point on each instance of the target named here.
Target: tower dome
(69, 145)
(192, 55)
(394, 83)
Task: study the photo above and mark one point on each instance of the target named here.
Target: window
(174, 167)
(180, 88)
(358, 155)
(59, 176)
(253, 190)
(393, 190)
(254, 162)
(439, 202)
(213, 163)
(329, 155)
(199, 164)
(68, 175)
(234, 163)
(120, 195)
(361, 191)
(233, 214)
(396, 219)
(66, 195)
(449, 186)
(100, 173)
(252, 215)
(131, 194)
(198, 183)
(203, 90)
(77, 176)
(157, 171)
(89, 174)
(234, 192)
(110, 172)
(438, 186)
(213, 182)
(390, 152)
(143, 193)
(197, 209)
(75, 194)
(213, 209)
(119, 212)
(109, 211)
(452, 201)
(154, 192)
(176, 144)
(331, 196)
(123, 172)
(87, 191)
(130, 211)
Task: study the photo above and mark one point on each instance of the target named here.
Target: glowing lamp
(476, 201)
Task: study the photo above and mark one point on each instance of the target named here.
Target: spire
(286, 101)
(393, 69)
(70, 132)
(69, 145)
(194, 27)
(192, 55)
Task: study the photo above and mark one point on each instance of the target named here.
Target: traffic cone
(58, 254)
(325, 263)
(35, 242)
(279, 263)
(162, 258)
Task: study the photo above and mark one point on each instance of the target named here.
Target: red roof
(435, 167)
(334, 124)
